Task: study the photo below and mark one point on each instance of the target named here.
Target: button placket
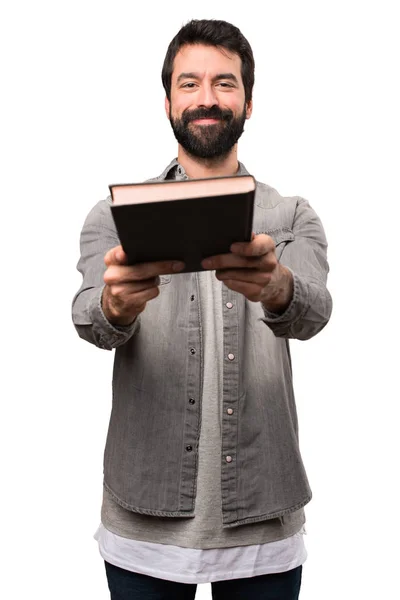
(193, 398)
(231, 305)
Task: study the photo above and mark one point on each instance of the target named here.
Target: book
(185, 220)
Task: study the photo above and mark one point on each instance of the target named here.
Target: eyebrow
(229, 76)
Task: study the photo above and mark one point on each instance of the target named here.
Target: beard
(208, 141)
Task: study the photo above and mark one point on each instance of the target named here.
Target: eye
(189, 85)
(225, 84)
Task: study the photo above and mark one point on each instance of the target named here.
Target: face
(207, 109)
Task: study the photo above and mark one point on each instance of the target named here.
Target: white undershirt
(187, 565)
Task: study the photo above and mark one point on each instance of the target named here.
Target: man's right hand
(129, 287)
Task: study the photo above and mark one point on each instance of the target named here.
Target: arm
(106, 308)
(292, 291)
(305, 258)
(98, 236)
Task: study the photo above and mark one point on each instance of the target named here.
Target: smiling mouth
(205, 121)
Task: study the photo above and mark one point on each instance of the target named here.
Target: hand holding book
(253, 270)
(129, 287)
(250, 269)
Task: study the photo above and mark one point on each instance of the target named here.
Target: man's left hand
(253, 270)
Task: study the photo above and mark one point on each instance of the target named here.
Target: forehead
(206, 60)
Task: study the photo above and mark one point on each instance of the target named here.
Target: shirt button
(229, 305)
(192, 351)
(228, 459)
(230, 411)
(192, 298)
(189, 448)
(192, 400)
(231, 356)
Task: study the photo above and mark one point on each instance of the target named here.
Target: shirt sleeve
(306, 258)
(97, 237)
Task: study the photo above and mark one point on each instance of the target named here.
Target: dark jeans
(125, 585)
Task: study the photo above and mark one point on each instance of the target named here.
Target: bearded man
(203, 476)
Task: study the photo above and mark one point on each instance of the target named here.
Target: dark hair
(211, 33)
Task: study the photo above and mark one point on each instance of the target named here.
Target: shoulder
(100, 214)
(268, 197)
(274, 212)
(277, 209)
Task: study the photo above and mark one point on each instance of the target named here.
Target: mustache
(207, 113)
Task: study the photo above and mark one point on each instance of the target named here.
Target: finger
(260, 244)
(125, 290)
(117, 274)
(263, 262)
(225, 261)
(115, 256)
(153, 269)
(251, 291)
(140, 309)
(260, 278)
(124, 302)
(126, 273)
(140, 298)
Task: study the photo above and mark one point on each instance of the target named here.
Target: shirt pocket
(281, 237)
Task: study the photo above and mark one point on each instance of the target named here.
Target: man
(203, 478)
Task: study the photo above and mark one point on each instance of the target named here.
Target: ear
(249, 109)
(167, 106)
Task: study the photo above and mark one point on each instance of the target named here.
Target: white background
(82, 107)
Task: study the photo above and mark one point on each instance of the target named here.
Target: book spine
(250, 214)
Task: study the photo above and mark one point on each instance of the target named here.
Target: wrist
(112, 315)
(278, 294)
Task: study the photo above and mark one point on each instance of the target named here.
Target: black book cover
(188, 229)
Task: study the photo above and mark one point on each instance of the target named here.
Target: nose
(207, 96)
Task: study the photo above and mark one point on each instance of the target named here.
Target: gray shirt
(151, 455)
(205, 530)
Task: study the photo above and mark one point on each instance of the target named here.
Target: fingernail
(177, 266)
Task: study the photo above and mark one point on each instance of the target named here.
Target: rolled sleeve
(100, 331)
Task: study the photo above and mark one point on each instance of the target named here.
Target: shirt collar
(176, 171)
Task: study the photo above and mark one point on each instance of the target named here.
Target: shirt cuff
(109, 336)
(296, 309)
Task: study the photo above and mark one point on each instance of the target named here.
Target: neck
(199, 168)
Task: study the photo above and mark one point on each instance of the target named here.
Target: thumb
(115, 256)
